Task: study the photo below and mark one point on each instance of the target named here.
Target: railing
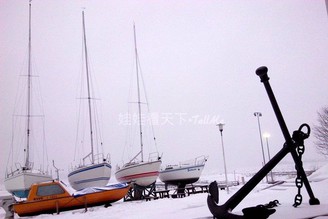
(153, 157)
(97, 158)
(28, 168)
(196, 161)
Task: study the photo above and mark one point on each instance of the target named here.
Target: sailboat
(19, 179)
(186, 172)
(95, 168)
(137, 170)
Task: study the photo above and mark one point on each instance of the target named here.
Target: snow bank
(320, 174)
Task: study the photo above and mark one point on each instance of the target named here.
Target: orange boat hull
(66, 202)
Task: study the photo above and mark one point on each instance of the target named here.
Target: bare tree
(321, 131)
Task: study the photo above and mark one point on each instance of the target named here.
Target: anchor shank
(262, 73)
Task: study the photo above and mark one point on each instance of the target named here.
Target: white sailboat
(95, 168)
(19, 179)
(137, 170)
(183, 173)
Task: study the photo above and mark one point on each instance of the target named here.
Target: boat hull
(90, 176)
(56, 204)
(19, 184)
(183, 175)
(142, 174)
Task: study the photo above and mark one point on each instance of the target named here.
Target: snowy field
(195, 206)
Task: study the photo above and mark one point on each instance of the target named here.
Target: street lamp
(266, 136)
(224, 161)
(258, 114)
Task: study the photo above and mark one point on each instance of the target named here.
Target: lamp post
(258, 115)
(224, 161)
(266, 136)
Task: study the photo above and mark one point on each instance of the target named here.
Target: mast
(138, 87)
(29, 95)
(88, 86)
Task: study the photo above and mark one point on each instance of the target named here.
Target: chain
(299, 185)
(298, 137)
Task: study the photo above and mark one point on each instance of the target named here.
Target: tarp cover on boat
(99, 189)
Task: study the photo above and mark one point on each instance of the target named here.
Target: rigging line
(78, 114)
(129, 121)
(101, 126)
(129, 118)
(131, 83)
(82, 131)
(45, 152)
(21, 84)
(18, 99)
(79, 105)
(17, 132)
(99, 122)
(139, 105)
(147, 102)
(37, 88)
(97, 117)
(127, 136)
(133, 133)
(11, 151)
(96, 127)
(41, 107)
(129, 131)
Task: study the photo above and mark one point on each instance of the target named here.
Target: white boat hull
(90, 176)
(19, 184)
(182, 175)
(142, 174)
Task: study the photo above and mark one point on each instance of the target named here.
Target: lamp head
(258, 114)
(266, 135)
(220, 126)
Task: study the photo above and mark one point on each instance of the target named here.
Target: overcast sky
(198, 61)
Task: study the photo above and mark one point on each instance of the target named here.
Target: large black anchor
(293, 145)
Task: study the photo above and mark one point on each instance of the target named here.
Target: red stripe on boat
(139, 175)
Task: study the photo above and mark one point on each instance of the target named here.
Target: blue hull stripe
(88, 168)
(92, 180)
(177, 169)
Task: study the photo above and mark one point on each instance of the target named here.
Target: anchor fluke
(219, 211)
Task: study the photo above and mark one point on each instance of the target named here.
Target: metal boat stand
(137, 192)
(293, 145)
(6, 202)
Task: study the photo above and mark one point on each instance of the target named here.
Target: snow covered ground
(195, 206)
